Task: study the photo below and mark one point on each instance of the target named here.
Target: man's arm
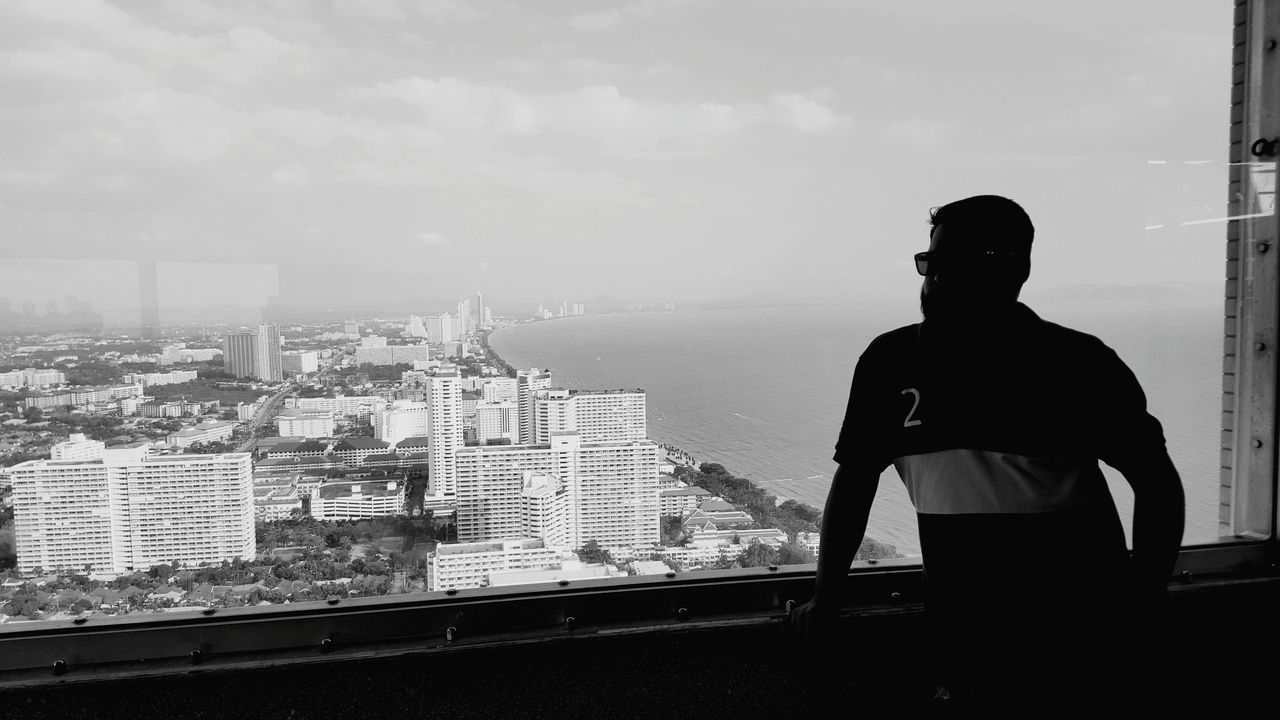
(1133, 443)
(1159, 508)
(844, 522)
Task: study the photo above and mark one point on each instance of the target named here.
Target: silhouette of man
(995, 420)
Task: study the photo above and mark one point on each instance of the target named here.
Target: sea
(762, 391)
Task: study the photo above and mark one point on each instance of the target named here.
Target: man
(996, 420)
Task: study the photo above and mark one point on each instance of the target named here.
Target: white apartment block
(84, 395)
(169, 378)
(305, 423)
(500, 389)
(360, 406)
(208, 431)
(460, 566)
(129, 511)
(300, 363)
(32, 376)
(357, 499)
(444, 428)
(392, 354)
(497, 420)
(401, 419)
(612, 489)
(78, 448)
(678, 501)
(529, 382)
(596, 415)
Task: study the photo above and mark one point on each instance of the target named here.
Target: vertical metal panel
(1252, 287)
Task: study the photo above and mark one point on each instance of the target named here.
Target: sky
(351, 152)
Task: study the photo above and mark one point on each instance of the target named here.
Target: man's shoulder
(896, 340)
(1062, 337)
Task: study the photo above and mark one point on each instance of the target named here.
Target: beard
(945, 309)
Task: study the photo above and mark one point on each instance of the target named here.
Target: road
(265, 413)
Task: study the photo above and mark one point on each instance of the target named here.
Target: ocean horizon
(762, 391)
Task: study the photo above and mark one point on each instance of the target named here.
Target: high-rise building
(529, 382)
(497, 421)
(488, 318)
(415, 328)
(611, 487)
(596, 415)
(269, 367)
(351, 327)
(443, 393)
(465, 319)
(401, 419)
(240, 353)
(129, 511)
(479, 312)
(440, 329)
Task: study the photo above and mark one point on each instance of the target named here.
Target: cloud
(432, 239)
(600, 113)
(291, 174)
(376, 10)
(597, 21)
(613, 18)
(804, 114)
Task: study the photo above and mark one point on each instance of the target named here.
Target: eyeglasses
(961, 259)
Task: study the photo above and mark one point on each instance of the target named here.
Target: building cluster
(530, 472)
(566, 310)
(90, 397)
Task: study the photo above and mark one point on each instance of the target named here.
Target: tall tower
(529, 382)
(240, 353)
(268, 364)
(444, 429)
(479, 310)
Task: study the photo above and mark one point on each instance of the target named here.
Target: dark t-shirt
(997, 436)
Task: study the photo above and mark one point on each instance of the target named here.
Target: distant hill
(1148, 292)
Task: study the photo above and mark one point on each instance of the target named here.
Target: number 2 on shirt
(911, 421)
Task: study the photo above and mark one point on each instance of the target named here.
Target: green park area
(203, 390)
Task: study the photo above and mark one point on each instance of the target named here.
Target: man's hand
(813, 620)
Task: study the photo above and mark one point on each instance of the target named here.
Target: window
(293, 211)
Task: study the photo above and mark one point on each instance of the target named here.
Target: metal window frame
(1252, 290)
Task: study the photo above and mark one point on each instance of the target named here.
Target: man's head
(979, 256)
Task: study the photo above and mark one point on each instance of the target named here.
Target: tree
(592, 553)
(24, 603)
(33, 414)
(795, 554)
(8, 549)
(758, 554)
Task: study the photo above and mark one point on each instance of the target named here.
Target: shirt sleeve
(1126, 433)
(862, 442)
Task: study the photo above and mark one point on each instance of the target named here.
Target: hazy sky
(654, 149)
